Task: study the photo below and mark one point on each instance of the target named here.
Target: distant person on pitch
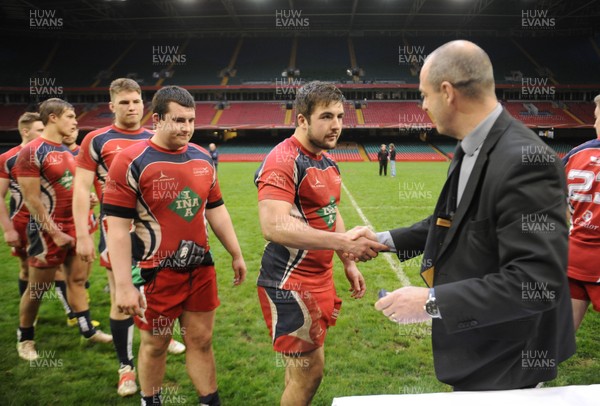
(214, 154)
(392, 155)
(382, 157)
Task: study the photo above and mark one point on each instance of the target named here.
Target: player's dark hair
(53, 106)
(167, 94)
(27, 119)
(314, 94)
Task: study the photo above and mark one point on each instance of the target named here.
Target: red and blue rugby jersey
(582, 166)
(54, 164)
(18, 209)
(97, 184)
(311, 184)
(100, 147)
(165, 193)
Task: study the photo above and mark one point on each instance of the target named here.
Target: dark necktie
(453, 178)
(443, 215)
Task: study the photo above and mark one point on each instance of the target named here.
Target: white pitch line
(389, 257)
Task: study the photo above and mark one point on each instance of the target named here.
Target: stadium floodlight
(163, 74)
(290, 73)
(355, 71)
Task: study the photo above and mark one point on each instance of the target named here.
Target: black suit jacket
(500, 273)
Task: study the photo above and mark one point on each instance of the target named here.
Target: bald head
(466, 66)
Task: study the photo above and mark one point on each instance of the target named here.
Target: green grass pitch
(365, 353)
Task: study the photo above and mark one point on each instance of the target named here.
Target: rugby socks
(25, 333)
(85, 324)
(210, 400)
(151, 400)
(122, 332)
(60, 287)
(22, 286)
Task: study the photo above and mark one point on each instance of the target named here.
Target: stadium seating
(246, 152)
(204, 60)
(583, 111)
(380, 59)
(350, 119)
(317, 60)
(9, 115)
(346, 152)
(262, 60)
(547, 115)
(507, 58)
(243, 152)
(446, 146)
(406, 115)
(204, 113)
(577, 62)
(252, 115)
(562, 147)
(96, 116)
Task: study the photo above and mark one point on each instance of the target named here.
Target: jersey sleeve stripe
(212, 205)
(118, 211)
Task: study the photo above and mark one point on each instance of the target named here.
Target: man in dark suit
(495, 248)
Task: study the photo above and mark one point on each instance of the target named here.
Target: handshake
(360, 244)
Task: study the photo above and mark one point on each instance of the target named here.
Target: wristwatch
(431, 306)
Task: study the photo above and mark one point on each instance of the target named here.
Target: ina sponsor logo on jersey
(328, 213)
(66, 180)
(595, 160)
(186, 204)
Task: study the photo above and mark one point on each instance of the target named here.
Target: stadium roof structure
(128, 19)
